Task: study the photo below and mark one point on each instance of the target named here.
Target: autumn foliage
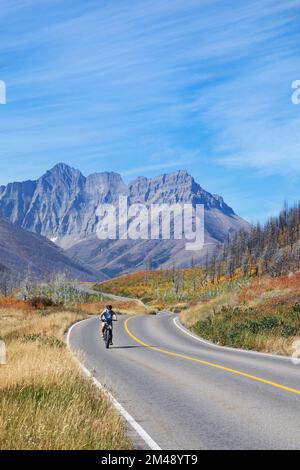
(10, 302)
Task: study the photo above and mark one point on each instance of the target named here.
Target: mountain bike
(107, 335)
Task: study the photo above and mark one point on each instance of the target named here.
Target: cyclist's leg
(111, 334)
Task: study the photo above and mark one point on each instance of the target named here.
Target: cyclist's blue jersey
(108, 316)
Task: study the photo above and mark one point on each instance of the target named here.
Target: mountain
(21, 250)
(62, 205)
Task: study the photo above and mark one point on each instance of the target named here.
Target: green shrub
(239, 327)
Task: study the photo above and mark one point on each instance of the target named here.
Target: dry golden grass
(202, 310)
(45, 403)
(274, 345)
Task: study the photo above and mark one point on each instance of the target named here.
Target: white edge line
(131, 421)
(217, 346)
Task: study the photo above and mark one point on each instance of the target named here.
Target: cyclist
(107, 316)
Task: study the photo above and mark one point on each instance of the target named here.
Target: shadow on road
(130, 347)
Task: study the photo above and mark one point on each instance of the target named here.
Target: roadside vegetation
(45, 402)
(264, 316)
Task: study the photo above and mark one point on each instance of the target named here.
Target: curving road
(188, 394)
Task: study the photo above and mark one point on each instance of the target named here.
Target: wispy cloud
(166, 163)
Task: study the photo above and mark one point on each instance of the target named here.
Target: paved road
(191, 395)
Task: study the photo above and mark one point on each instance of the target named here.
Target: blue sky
(151, 86)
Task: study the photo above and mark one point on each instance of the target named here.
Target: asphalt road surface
(187, 394)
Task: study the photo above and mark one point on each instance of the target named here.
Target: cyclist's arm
(101, 315)
(115, 317)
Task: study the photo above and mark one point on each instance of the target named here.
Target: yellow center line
(211, 364)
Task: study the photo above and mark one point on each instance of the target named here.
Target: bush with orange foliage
(270, 288)
(10, 302)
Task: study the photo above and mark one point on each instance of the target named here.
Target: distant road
(191, 395)
(92, 291)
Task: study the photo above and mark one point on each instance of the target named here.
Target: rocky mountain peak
(62, 168)
(62, 174)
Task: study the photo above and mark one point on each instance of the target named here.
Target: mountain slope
(62, 204)
(21, 250)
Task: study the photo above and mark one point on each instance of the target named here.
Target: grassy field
(45, 403)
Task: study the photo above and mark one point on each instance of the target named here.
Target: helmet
(109, 307)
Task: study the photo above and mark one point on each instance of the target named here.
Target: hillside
(21, 251)
(262, 315)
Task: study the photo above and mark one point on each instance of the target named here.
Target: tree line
(271, 248)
